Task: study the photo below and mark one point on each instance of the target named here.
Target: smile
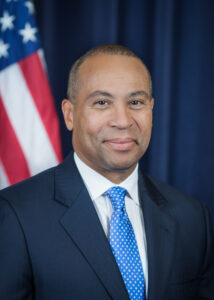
(121, 144)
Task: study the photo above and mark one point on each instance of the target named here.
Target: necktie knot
(117, 196)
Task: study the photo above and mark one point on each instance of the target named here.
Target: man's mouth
(121, 144)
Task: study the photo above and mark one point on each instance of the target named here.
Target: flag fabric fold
(29, 125)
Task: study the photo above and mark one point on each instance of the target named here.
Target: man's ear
(67, 109)
(152, 102)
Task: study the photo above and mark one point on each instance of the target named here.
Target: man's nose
(121, 117)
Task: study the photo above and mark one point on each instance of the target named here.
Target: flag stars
(7, 21)
(3, 49)
(30, 7)
(28, 33)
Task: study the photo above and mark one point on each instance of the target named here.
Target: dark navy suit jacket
(53, 247)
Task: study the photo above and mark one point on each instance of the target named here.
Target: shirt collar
(97, 184)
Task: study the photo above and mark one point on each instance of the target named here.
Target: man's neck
(115, 176)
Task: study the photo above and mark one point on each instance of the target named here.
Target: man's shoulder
(166, 188)
(185, 209)
(41, 183)
(174, 198)
(41, 189)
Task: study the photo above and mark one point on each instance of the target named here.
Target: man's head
(109, 110)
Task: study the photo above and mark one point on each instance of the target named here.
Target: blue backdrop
(176, 41)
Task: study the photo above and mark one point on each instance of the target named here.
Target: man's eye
(101, 102)
(136, 102)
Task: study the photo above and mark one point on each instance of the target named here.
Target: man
(95, 227)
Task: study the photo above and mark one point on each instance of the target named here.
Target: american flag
(29, 127)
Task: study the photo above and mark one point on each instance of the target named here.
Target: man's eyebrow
(99, 93)
(139, 93)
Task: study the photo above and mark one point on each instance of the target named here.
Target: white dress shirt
(97, 185)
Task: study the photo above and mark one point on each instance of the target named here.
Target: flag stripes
(25, 120)
(41, 94)
(29, 125)
(12, 157)
(3, 177)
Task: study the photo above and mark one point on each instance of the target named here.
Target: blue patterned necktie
(124, 245)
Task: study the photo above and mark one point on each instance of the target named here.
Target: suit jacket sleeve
(206, 290)
(15, 270)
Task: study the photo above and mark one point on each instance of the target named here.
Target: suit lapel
(83, 226)
(160, 235)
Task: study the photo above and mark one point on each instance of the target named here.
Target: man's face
(112, 117)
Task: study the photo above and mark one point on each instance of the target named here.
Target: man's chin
(121, 166)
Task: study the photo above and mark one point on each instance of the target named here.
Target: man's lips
(123, 144)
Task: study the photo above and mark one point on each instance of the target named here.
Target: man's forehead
(105, 59)
(113, 64)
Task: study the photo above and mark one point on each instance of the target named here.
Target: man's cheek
(93, 125)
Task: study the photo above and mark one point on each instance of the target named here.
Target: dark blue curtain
(176, 41)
